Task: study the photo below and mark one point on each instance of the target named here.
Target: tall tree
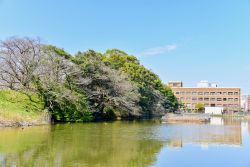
(106, 87)
(155, 97)
(19, 60)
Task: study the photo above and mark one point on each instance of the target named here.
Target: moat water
(222, 143)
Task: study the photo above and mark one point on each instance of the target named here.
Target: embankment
(186, 118)
(21, 109)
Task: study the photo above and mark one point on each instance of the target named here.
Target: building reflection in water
(220, 131)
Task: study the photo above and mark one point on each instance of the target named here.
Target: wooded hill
(83, 87)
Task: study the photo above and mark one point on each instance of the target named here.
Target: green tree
(155, 96)
(54, 83)
(200, 107)
(106, 87)
(87, 86)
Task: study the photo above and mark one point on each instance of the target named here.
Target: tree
(19, 61)
(200, 107)
(54, 84)
(106, 87)
(84, 86)
(156, 98)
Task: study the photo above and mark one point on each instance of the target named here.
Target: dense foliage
(84, 87)
(153, 94)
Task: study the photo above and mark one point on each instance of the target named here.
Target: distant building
(245, 103)
(208, 94)
(248, 103)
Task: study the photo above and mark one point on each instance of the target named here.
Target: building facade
(244, 103)
(248, 103)
(209, 96)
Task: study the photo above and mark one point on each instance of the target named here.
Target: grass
(18, 106)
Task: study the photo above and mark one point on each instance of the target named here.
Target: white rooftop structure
(206, 84)
(203, 84)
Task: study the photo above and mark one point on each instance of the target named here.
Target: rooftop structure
(175, 84)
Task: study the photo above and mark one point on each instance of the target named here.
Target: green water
(122, 144)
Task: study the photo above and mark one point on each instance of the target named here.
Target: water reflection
(104, 144)
(219, 132)
(18, 145)
(223, 142)
(121, 144)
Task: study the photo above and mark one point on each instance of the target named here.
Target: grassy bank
(17, 109)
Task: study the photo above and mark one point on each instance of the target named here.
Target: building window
(206, 99)
(230, 99)
(200, 99)
(182, 93)
(219, 93)
(206, 93)
(194, 93)
(200, 93)
(212, 99)
(177, 93)
(236, 93)
(224, 99)
(188, 98)
(224, 93)
(219, 99)
(188, 93)
(230, 93)
(194, 98)
(212, 93)
(236, 99)
(224, 105)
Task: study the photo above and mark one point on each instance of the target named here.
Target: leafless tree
(53, 68)
(19, 60)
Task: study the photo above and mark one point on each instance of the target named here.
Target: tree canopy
(87, 86)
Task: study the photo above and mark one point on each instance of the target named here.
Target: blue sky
(178, 39)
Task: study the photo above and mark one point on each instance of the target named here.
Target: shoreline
(198, 117)
(45, 119)
(168, 118)
(186, 118)
(14, 124)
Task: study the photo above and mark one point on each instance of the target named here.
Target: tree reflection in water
(102, 144)
(114, 144)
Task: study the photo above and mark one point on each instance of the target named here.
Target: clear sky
(188, 40)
